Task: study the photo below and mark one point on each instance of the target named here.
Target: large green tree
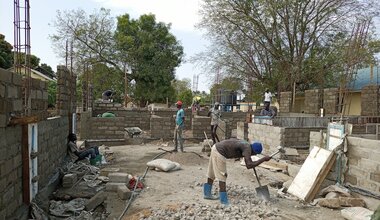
(142, 50)
(6, 56)
(280, 44)
(152, 54)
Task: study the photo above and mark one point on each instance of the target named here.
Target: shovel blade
(263, 193)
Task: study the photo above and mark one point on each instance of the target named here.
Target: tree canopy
(281, 44)
(6, 56)
(142, 49)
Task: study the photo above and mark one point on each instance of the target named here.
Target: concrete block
(108, 170)
(112, 187)
(95, 201)
(12, 91)
(123, 192)
(375, 176)
(17, 105)
(3, 121)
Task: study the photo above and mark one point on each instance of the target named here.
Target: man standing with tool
(179, 125)
(215, 117)
(220, 152)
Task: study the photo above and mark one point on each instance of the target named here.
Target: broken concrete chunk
(334, 188)
(69, 180)
(329, 203)
(112, 187)
(123, 192)
(356, 213)
(335, 203)
(95, 201)
(108, 170)
(293, 169)
(118, 177)
(332, 195)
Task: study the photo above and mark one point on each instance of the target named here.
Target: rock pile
(244, 205)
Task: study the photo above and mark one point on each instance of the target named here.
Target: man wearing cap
(220, 152)
(179, 124)
(215, 117)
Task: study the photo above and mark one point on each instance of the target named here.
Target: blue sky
(182, 14)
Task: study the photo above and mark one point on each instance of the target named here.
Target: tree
(152, 54)
(6, 56)
(282, 45)
(143, 48)
(186, 97)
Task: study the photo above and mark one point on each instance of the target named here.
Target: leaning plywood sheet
(311, 174)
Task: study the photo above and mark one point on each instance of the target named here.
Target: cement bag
(162, 164)
(356, 213)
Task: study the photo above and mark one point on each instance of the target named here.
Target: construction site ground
(182, 189)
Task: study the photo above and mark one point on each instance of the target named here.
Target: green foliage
(52, 93)
(152, 54)
(186, 97)
(107, 78)
(6, 56)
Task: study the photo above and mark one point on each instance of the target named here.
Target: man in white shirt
(267, 98)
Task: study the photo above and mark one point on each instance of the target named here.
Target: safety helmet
(256, 147)
(216, 103)
(179, 103)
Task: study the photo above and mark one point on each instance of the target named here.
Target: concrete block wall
(297, 122)
(10, 171)
(100, 107)
(137, 118)
(39, 98)
(363, 163)
(330, 100)
(313, 101)
(199, 125)
(234, 118)
(224, 129)
(298, 137)
(172, 112)
(66, 91)
(242, 131)
(269, 136)
(285, 102)
(161, 127)
(315, 139)
(10, 96)
(370, 100)
(105, 128)
(52, 140)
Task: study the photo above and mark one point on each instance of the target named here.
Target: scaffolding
(22, 54)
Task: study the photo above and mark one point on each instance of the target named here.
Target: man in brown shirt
(220, 152)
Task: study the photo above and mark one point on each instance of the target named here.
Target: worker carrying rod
(220, 152)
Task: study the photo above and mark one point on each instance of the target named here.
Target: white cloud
(182, 14)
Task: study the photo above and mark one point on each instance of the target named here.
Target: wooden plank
(25, 165)
(312, 173)
(23, 120)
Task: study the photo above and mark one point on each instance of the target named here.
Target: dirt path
(179, 193)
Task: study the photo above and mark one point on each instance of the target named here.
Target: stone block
(123, 192)
(5, 76)
(95, 201)
(112, 187)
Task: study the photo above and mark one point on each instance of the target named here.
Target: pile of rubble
(246, 206)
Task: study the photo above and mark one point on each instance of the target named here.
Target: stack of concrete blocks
(363, 163)
(118, 183)
(285, 102)
(106, 128)
(200, 125)
(69, 180)
(66, 87)
(242, 130)
(39, 98)
(313, 101)
(370, 100)
(137, 118)
(330, 100)
(161, 127)
(224, 129)
(101, 107)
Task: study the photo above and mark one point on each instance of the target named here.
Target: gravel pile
(244, 205)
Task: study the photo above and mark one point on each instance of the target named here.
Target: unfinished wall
(105, 128)
(313, 101)
(363, 163)
(199, 125)
(285, 102)
(52, 135)
(242, 131)
(161, 127)
(66, 91)
(269, 136)
(298, 137)
(330, 100)
(52, 140)
(370, 100)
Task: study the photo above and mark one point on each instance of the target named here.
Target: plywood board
(311, 174)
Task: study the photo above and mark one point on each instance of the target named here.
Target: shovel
(262, 191)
